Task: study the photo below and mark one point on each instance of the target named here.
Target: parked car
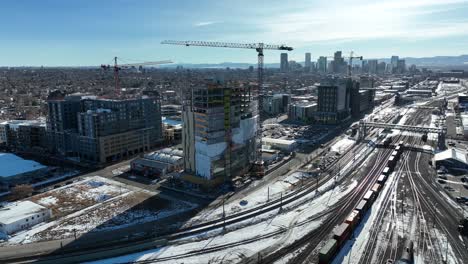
(441, 181)
(449, 188)
(443, 177)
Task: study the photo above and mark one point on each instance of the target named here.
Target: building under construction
(220, 125)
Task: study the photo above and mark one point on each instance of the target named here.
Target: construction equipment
(117, 67)
(259, 47)
(350, 63)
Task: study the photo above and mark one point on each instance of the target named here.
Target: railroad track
(388, 201)
(315, 236)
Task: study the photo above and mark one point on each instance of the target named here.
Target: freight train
(344, 231)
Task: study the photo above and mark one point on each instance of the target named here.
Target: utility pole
(224, 215)
(281, 201)
(268, 194)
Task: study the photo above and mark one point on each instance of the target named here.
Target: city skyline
(55, 33)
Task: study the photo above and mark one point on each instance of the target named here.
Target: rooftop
(11, 165)
(453, 153)
(19, 210)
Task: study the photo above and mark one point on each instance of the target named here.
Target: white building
(22, 215)
(281, 144)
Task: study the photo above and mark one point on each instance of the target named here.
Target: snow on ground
(405, 115)
(97, 204)
(258, 197)
(292, 221)
(343, 145)
(443, 247)
(47, 201)
(354, 248)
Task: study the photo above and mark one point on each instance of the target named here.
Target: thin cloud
(386, 19)
(205, 23)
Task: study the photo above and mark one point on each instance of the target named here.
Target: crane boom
(117, 67)
(145, 63)
(227, 45)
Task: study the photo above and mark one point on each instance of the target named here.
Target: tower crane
(259, 47)
(350, 64)
(350, 61)
(117, 67)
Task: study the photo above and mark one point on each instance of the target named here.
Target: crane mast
(259, 47)
(117, 67)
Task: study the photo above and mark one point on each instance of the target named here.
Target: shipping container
(386, 171)
(376, 188)
(382, 179)
(327, 252)
(341, 233)
(353, 219)
(391, 161)
(395, 153)
(369, 196)
(362, 208)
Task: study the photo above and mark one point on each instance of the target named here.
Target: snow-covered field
(97, 204)
(290, 222)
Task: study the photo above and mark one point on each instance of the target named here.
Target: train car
(381, 180)
(401, 143)
(386, 171)
(398, 149)
(341, 233)
(376, 188)
(362, 208)
(407, 257)
(391, 162)
(328, 251)
(396, 154)
(370, 197)
(353, 219)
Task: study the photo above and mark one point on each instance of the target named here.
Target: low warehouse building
(159, 163)
(454, 160)
(14, 169)
(22, 215)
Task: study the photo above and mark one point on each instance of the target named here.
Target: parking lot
(454, 186)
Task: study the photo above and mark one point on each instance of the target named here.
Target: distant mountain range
(438, 61)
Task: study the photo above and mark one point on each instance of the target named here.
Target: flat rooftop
(11, 165)
(19, 210)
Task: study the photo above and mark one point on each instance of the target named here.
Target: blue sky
(91, 32)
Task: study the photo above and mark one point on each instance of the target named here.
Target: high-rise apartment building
(333, 102)
(102, 130)
(284, 66)
(401, 66)
(394, 63)
(308, 62)
(339, 65)
(372, 64)
(222, 141)
(322, 64)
